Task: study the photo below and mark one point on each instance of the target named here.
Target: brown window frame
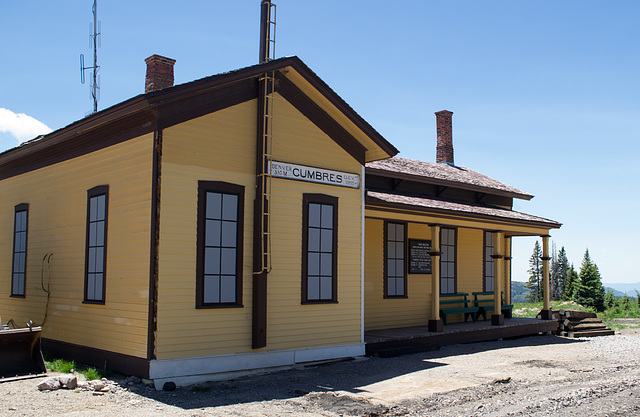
(223, 188)
(386, 259)
(20, 208)
(488, 260)
(455, 260)
(95, 192)
(328, 200)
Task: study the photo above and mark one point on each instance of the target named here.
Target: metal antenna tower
(94, 40)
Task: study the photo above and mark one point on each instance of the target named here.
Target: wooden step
(591, 333)
(586, 326)
(577, 314)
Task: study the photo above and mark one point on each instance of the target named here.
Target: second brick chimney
(444, 130)
(159, 73)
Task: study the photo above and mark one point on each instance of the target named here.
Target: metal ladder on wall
(268, 98)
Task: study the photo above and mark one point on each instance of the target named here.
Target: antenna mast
(95, 40)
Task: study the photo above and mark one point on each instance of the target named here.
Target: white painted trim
(362, 225)
(185, 371)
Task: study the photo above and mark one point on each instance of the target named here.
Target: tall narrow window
(220, 232)
(319, 248)
(19, 271)
(488, 261)
(448, 261)
(395, 256)
(96, 247)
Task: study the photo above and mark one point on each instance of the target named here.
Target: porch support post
(435, 323)
(497, 318)
(546, 304)
(507, 270)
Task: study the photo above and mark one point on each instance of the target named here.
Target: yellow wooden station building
(247, 220)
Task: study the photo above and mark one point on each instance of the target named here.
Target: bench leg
(443, 316)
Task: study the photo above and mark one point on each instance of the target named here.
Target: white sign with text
(311, 174)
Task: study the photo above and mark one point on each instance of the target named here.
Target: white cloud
(21, 126)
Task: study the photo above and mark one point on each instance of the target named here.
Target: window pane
(214, 206)
(93, 209)
(314, 215)
(99, 259)
(391, 286)
(325, 288)
(313, 265)
(400, 232)
(229, 234)
(327, 216)
(101, 203)
(391, 250)
(391, 231)
(91, 258)
(99, 239)
(391, 267)
(92, 234)
(212, 232)
(399, 268)
(211, 289)
(227, 289)
(91, 286)
(326, 264)
(212, 261)
(400, 250)
(98, 287)
(327, 240)
(230, 207)
(399, 286)
(228, 262)
(313, 288)
(314, 240)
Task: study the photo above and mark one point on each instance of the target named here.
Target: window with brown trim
(319, 249)
(448, 281)
(220, 240)
(395, 251)
(96, 246)
(488, 262)
(19, 269)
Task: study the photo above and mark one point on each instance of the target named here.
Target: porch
(399, 341)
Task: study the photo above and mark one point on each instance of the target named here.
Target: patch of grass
(66, 366)
(531, 310)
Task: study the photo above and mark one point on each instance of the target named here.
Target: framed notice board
(419, 258)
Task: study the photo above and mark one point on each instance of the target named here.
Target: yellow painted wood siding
(385, 313)
(222, 147)
(57, 197)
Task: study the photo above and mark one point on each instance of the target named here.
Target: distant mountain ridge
(519, 291)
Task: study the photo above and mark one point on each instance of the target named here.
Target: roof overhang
(159, 109)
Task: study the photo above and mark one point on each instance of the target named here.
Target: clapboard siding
(384, 313)
(221, 147)
(57, 197)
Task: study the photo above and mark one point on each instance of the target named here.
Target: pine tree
(570, 284)
(589, 290)
(534, 285)
(562, 269)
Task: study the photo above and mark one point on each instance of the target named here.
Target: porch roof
(433, 205)
(444, 174)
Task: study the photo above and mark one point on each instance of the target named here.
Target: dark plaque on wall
(419, 258)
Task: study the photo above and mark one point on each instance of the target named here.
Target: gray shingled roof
(445, 174)
(451, 207)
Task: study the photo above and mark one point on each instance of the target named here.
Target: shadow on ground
(338, 376)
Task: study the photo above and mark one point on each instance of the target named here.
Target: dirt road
(534, 376)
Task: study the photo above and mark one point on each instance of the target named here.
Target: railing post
(435, 323)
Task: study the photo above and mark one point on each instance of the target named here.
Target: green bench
(457, 304)
(484, 300)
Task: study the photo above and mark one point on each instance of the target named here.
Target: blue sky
(545, 94)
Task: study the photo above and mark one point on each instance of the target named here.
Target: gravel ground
(533, 376)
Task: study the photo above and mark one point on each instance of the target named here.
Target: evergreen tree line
(565, 283)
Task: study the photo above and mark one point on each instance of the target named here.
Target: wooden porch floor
(394, 342)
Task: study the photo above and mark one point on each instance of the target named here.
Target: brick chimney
(444, 130)
(159, 73)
